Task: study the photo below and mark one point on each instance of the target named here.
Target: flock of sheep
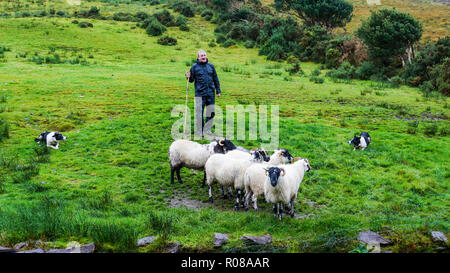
(251, 173)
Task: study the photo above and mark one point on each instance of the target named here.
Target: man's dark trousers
(201, 103)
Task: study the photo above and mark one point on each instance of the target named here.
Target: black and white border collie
(361, 141)
(51, 139)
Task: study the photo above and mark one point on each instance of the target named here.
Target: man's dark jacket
(205, 77)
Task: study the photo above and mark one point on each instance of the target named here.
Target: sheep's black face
(229, 146)
(218, 149)
(264, 156)
(355, 141)
(285, 153)
(274, 174)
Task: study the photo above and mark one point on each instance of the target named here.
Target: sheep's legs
(204, 179)
(224, 194)
(246, 197)
(179, 176)
(292, 208)
(280, 211)
(255, 202)
(238, 195)
(210, 194)
(230, 190)
(171, 175)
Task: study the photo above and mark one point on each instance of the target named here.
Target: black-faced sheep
(254, 176)
(282, 184)
(192, 155)
(229, 172)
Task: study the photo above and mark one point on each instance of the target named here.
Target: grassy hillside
(110, 182)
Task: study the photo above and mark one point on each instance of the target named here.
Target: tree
(389, 33)
(325, 13)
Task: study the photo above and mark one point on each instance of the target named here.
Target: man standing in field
(206, 82)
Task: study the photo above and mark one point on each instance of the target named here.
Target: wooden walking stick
(186, 106)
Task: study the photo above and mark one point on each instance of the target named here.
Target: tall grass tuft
(4, 129)
(162, 223)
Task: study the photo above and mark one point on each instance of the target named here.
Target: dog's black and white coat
(51, 139)
(361, 141)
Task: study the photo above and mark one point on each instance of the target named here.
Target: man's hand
(188, 74)
(218, 95)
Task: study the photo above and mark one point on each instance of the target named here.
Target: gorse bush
(184, 7)
(154, 27)
(345, 71)
(165, 18)
(93, 13)
(85, 24)
(430, 67)
(167, 40)
(295, 69)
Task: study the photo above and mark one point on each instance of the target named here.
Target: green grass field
(110, 182)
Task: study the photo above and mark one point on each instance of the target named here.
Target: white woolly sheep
(283, 189)
(255, 176)
(228, 172)
(192, 155)
(247, 155)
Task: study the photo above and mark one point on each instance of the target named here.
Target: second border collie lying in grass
(51, 139)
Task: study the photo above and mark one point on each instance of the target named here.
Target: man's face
(202, 57)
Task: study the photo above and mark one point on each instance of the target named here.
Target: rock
(260, 240)
(89, 248)
(60, 250)
(6, 249)
(37, 250)
(20, 245)
(145, 241)
(220, 239)
(370, 237)
(174, 247)
(303, 216)
(438, 236)
(387, 251)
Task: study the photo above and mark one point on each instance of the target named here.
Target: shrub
(141, 16)
(165, 18)
(180, 20)
(345, 71)
(295, 69)
(75, 22)
(155, 28)
(60, 13)
(315, 72)
(249, 44)
(228, 43)
(396, 81)
(184, 7)
(166, 40)
(317, 80)
(85, 24)
(212, 44)
(123, 16)
(184, 28)
(221, 38)
(365, 70)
